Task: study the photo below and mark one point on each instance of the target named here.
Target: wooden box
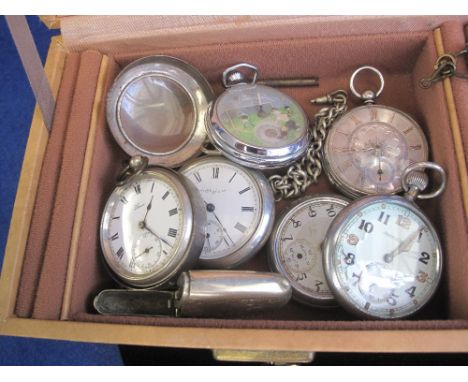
(52, 268)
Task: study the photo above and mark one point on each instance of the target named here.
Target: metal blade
(134, 302)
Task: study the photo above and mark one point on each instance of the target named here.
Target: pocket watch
(295, 247)
(368, 148)
(152, 227)
(256, 125)
(240, 209)
(157, 108)
(382, 256)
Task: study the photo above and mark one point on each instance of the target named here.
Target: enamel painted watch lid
(255, 125)
(157, 108)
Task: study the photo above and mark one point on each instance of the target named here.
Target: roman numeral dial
(233, 203)
(142, 227)
(368, 148)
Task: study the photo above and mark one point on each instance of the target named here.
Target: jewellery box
(52, 267)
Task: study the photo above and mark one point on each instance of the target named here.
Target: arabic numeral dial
(387, 259)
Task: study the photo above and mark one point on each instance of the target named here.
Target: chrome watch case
(188, 247)
(257, 126)
(259, 234)
(157, 107)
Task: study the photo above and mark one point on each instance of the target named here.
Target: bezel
(346, 187)
(188, 247)
(184, 75)
(266, 211)
(273, 246)
(331, 241)
(250, 155)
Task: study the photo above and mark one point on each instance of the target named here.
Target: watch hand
(208, 242)
(379, 171)
(210, 208)
(354, 150)
(148, 207)
(145, 251)
(144, 226)
(403, 246)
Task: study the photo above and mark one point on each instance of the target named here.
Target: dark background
(16, 109)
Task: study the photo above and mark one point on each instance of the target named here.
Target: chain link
(445, 67)
(301, 174)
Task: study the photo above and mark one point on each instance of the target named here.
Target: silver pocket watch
(157, 107)
(295, 247)
(368, 148)
(254, 125)
(382, 255)
(152, 227)
(240, 209)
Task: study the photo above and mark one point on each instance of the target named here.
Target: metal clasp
(264, 356)
(445, 67)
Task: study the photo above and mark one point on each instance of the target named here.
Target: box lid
(114, 34)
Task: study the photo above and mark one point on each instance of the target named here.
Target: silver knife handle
(215, 293)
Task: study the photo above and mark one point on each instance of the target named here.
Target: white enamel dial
(234, 202)
(296, 247)
(384, 259)
(368, 148)
(143, 225)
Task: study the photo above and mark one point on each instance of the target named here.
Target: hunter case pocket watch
(368, 148)
(257, 126)
(295, 248)
(152, 228)
(157, 107)
(382, 256)
(240, 209)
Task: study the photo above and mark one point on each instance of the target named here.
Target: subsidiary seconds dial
(240, 209)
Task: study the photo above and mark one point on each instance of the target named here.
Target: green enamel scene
(265, 126)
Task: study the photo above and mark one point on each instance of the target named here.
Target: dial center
(210, 207)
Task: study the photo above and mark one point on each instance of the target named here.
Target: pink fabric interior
(404, 58)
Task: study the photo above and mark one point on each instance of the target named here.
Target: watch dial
(387, 260)
(369, 147)
(233, 203)
(298, 247)
(261, 116)
(142, 227)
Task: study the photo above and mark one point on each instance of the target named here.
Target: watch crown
(417, 181)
